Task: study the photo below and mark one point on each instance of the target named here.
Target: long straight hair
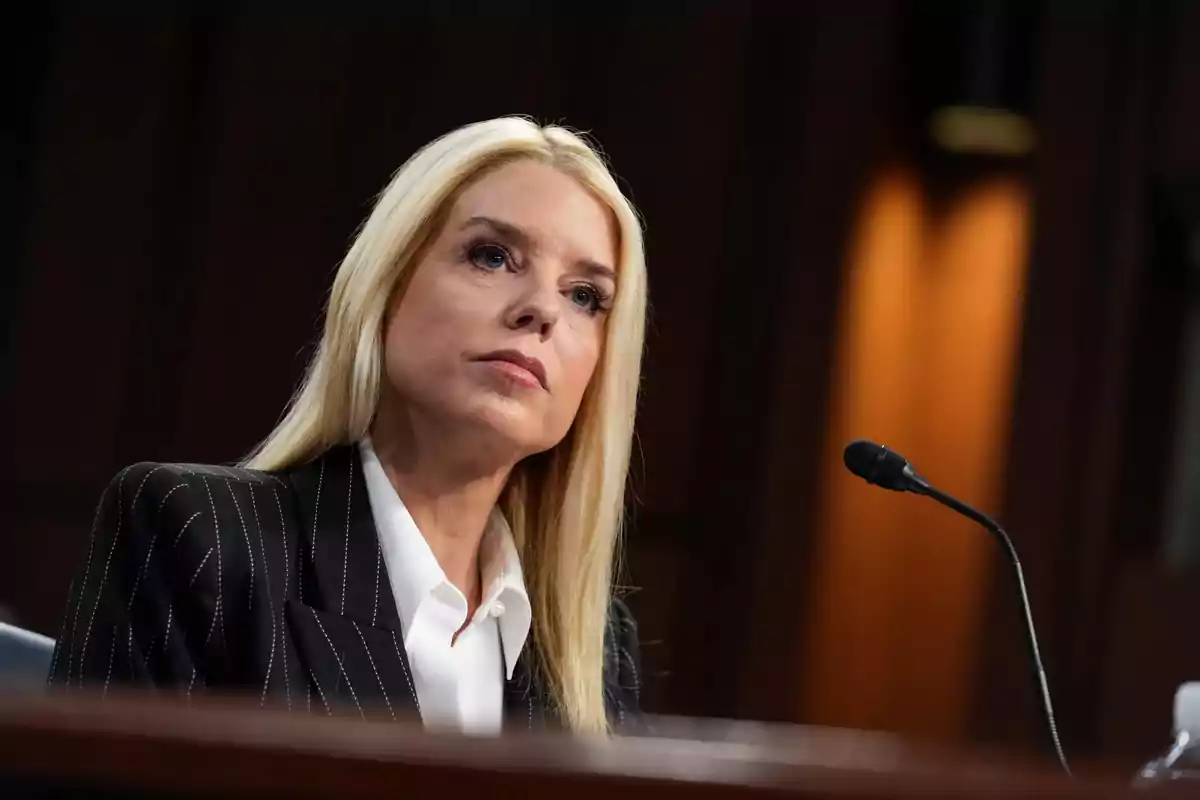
(565, 506)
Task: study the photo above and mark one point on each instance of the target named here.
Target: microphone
(886, 468)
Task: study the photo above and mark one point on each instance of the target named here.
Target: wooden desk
(138, 746)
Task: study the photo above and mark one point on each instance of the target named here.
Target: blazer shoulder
(154, 490)
(621, 619)
(144, 482)
(622, 665)
(622, 642)
(221, 472)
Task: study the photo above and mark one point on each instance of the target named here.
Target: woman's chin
(506, 422)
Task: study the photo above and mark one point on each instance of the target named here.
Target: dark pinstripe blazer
(268, 584)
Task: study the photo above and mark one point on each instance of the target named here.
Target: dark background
(183, 185)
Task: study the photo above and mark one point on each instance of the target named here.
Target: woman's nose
(537, 310)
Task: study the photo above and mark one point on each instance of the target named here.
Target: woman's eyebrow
(507, 230)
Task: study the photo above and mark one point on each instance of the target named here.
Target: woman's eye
(587, 297)
(583, 296)
(490, 256)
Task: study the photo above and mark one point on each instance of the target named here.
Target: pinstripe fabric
(272, 586)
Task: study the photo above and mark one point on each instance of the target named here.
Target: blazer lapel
(525, 704)
(344, 615)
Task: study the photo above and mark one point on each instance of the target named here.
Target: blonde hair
(565, 506)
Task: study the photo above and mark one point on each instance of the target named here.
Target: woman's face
(503, 320)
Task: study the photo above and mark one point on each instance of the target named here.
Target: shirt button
(497, 609)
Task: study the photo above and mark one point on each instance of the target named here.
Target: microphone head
(877, 465)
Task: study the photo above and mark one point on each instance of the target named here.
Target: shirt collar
(414, 572)
(504, 589)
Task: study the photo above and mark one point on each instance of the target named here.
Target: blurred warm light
(856, 548)
(925, 363)
(984, 131)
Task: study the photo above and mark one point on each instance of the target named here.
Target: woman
(433, 526)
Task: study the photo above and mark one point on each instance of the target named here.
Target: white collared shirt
(459, 683)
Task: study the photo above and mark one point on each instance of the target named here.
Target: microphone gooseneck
(888, 469)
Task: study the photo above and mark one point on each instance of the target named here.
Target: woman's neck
(449, 497)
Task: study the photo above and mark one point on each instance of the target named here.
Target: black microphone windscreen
(875, 464)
